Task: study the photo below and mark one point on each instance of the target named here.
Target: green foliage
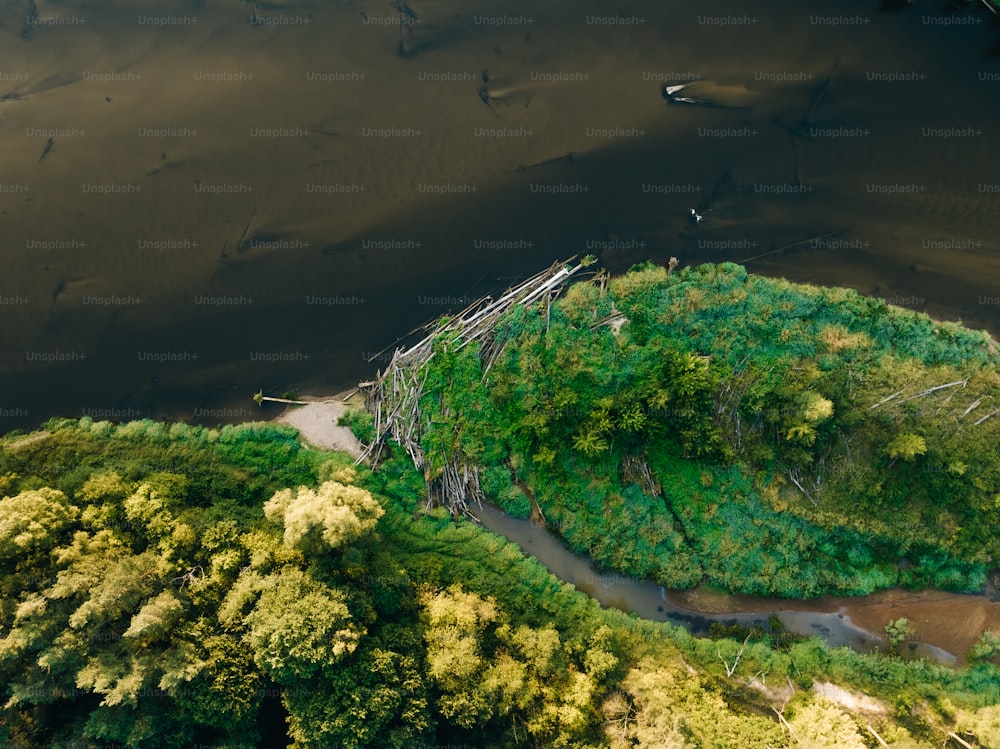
(986, 647)
(487, 670)
(983, 724)
(664, 705)
(115, 585)
(243, 464)
(906, 446)
(898, 631)
(226, 694)
(333, 515)
(32, 522)
(299, 625)
(117, 628)
(823, 725)
(503, 492)
(764, 436)
(377, 697)
(360, 422)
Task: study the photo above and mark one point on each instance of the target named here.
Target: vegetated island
(708, 425)
(166, 585)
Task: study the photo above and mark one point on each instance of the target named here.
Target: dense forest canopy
(760, 435)
(167, 586)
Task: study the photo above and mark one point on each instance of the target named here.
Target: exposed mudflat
(950, 621)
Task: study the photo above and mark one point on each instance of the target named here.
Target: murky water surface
(195, 211)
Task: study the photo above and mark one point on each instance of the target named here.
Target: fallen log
(960, 740)
(259, 397)
(817, 238)
(393, 397)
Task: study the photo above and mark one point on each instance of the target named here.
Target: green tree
(822, 725)
(376, 697)
(906, 446)
(983, 723)
(331, 516)
(32, 522)
(986, 647)
(299, 626)
(455, 621)
(226, 693)
(662, 704)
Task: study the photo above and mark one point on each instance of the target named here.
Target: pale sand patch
(845, 698)
(778, 695)
(317, 423)
(26, 440)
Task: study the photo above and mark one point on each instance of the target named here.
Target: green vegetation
(166, 585)
(360, 422)
(987, 647)
(759, 435)
(898, 631)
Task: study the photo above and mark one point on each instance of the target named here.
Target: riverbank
(951, 622)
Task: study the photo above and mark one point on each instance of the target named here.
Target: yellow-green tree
(331, 516)
(906, 447)
(819, 724)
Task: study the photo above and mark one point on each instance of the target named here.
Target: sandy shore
(317, 423)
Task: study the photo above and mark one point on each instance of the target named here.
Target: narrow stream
(838, 621)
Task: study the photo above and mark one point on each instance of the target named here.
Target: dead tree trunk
(731, 669)
(393, 397)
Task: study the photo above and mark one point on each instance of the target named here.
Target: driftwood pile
(393, 397)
